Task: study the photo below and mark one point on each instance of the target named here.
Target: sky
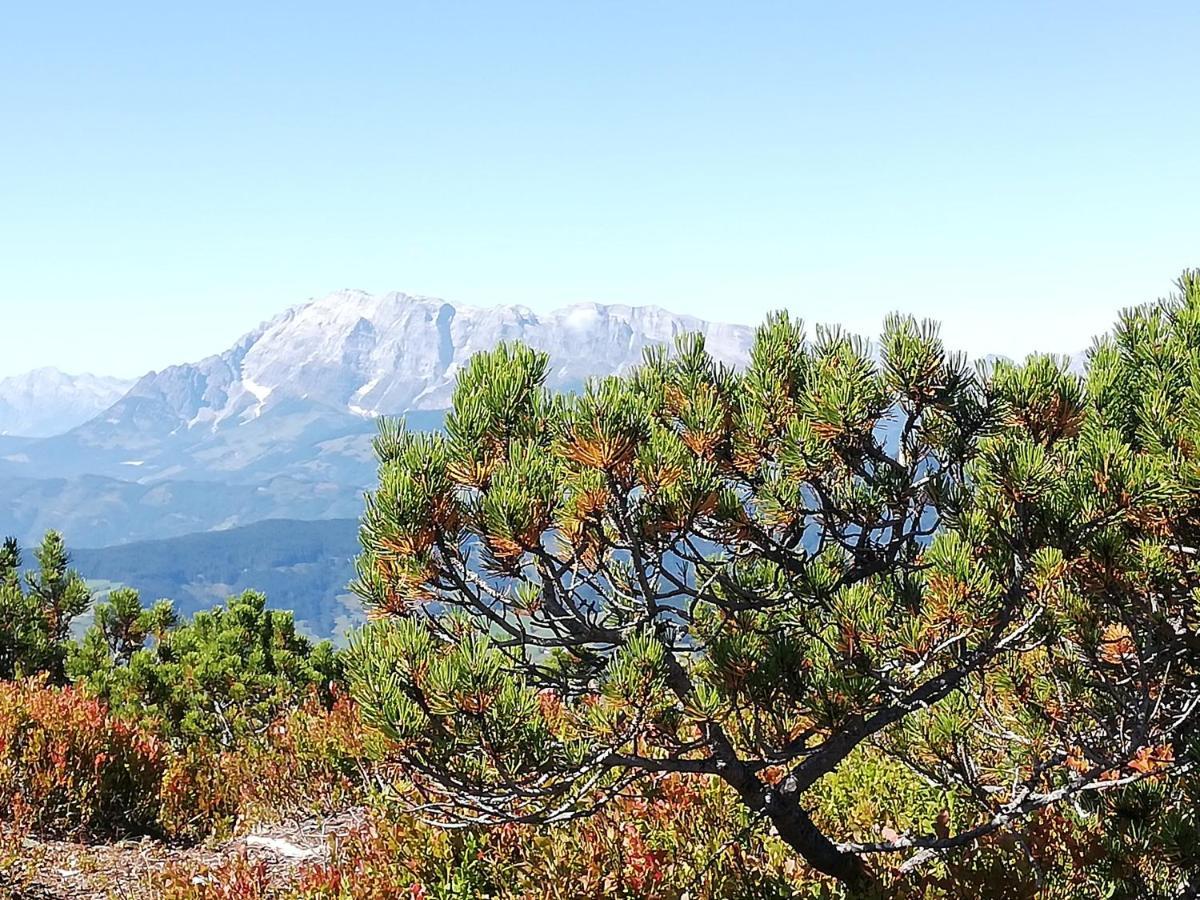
(172, 174)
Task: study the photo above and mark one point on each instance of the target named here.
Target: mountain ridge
(385, 354)
(280, 423)
(297, 395)
(45, 401)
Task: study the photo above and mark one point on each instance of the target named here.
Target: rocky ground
(137, 869)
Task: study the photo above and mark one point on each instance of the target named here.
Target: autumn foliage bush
(151, 725)
(310, 759)
(671, 838)
(68, 767)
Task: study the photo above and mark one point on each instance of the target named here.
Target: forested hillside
(303, 567)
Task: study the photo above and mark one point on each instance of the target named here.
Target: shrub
(988, 576)
(223, 677)
(669, 837)
(312, 759)
(236, 878)
(68, 767)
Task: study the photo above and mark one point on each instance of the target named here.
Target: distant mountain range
(277, 427)
(282, 421)
(47, 401)
(298, 395)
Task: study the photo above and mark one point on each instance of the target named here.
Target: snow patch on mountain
(383, 354)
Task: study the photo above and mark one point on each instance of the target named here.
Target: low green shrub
(222, 677)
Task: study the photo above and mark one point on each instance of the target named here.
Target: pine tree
(121, 626)
(35, 620)
(224, 675)
(989, 575)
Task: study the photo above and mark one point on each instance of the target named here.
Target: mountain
(297, 396)
(280, 424)
(92, 510)
(368, 355)
(46, 402)
(301, 566)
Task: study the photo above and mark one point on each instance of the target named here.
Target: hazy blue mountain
(95, 511)
(48, 401)
(280, 424)
(297, 397)
(13, 446)
(301, 566)
(137, 440)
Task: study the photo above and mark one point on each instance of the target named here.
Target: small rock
(280, 847)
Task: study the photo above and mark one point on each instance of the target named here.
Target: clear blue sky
(170, 177)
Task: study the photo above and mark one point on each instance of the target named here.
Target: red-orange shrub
(236, 878)
(668, 837)
(68, 767)
(309, 760)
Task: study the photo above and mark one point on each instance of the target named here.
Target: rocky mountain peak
(375, 354)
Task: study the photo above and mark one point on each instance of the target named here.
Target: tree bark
(796, 827)
(798, 831)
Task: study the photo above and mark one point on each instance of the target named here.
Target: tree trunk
(798, 832)
(797, 828)
(782, 807)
